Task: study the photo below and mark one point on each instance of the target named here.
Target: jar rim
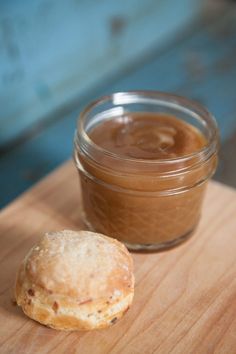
(187, 105)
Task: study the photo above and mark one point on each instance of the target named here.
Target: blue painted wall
(53, 52)
(199, 64)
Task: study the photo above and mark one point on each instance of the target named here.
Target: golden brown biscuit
(76, 281)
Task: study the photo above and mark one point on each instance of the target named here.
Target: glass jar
(147, 204)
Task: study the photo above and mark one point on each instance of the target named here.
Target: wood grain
(185, 299)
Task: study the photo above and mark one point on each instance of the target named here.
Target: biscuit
(76, 281)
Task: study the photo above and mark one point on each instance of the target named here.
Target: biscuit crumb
(113, 321)
(55, 306)
(31, 292)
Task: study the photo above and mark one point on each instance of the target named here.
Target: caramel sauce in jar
(144, 159)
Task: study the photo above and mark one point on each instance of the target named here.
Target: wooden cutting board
(185, 299)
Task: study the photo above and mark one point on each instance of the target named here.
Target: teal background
(56, 56)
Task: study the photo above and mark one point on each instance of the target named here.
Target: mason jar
(149, 204)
